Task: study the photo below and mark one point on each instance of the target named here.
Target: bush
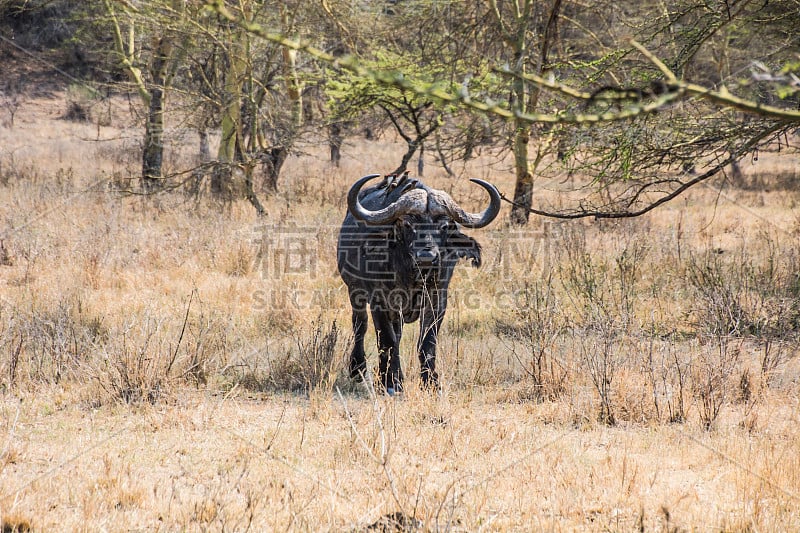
(532, 330)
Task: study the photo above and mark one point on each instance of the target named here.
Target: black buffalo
(398, 247)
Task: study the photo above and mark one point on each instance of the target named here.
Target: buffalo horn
(476, 220)
(412, 201)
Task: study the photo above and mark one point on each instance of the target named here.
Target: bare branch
(582, 212)
(657, 62)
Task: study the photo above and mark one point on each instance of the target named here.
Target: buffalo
(398, 247)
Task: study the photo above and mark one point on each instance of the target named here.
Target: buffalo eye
(405, 227)
(408, 226)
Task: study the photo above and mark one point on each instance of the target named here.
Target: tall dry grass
(174, 363)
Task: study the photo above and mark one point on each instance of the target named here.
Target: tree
(517, 26)
(414, 118)
(150, 57)
(253, 91)
(675, 133)
(629, 127)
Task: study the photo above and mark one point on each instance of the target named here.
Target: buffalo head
(426, 220)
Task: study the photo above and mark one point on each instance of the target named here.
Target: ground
(340, 462)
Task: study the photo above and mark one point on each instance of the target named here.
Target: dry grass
(173, 364)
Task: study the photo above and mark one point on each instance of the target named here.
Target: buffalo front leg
(388, 330)
(429, 331)
(358, 359)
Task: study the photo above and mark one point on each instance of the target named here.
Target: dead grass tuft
(15, 524)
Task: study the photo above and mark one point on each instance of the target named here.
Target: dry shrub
(12, 97)
(602, 353)
(531, 331)
(135, 366)
(49, 345)
(632, 397)
(240, 260)
(6, 256)
(119, 485)
(207, 341)
(772, 354)
(713, 376)
(15, 524)
(754, 291)
(720, 290)
(750, 294)
(143, 360)
(79, 100)
(667, 373)
(76, 112)
(602, 287)
(319, 355)
(603, 283)
(311, 360)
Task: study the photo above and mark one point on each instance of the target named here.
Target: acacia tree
(528, 33)
(629, 127)
(414, 118)
(149, 42)
(253, 91)
(449, 48)
(394, 42)
(675, 133)
(232, 156)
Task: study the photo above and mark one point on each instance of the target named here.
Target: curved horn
(409, 201)
(478, 220)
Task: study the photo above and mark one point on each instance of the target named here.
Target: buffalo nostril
(427, 256)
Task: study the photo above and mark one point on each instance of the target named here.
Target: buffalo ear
(474, 255)
(466, 248)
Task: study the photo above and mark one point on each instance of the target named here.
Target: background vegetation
(172, 343)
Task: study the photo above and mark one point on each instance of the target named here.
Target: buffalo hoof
(395, 394)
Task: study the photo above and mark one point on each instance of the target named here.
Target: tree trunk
(292, 80)
(412, 149)
(220, 175)
(525, 100)
(737, 178)
(230, 144)
(205, 149)
(250, 193)
(204, 156)
(273, 161)
(523, 189)
(293, 85)
(153, 152)
(335, 142)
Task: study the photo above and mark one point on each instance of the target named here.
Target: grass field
(169, 363)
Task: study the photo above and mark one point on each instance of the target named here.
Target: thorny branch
(398, 80)
(623, 209)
